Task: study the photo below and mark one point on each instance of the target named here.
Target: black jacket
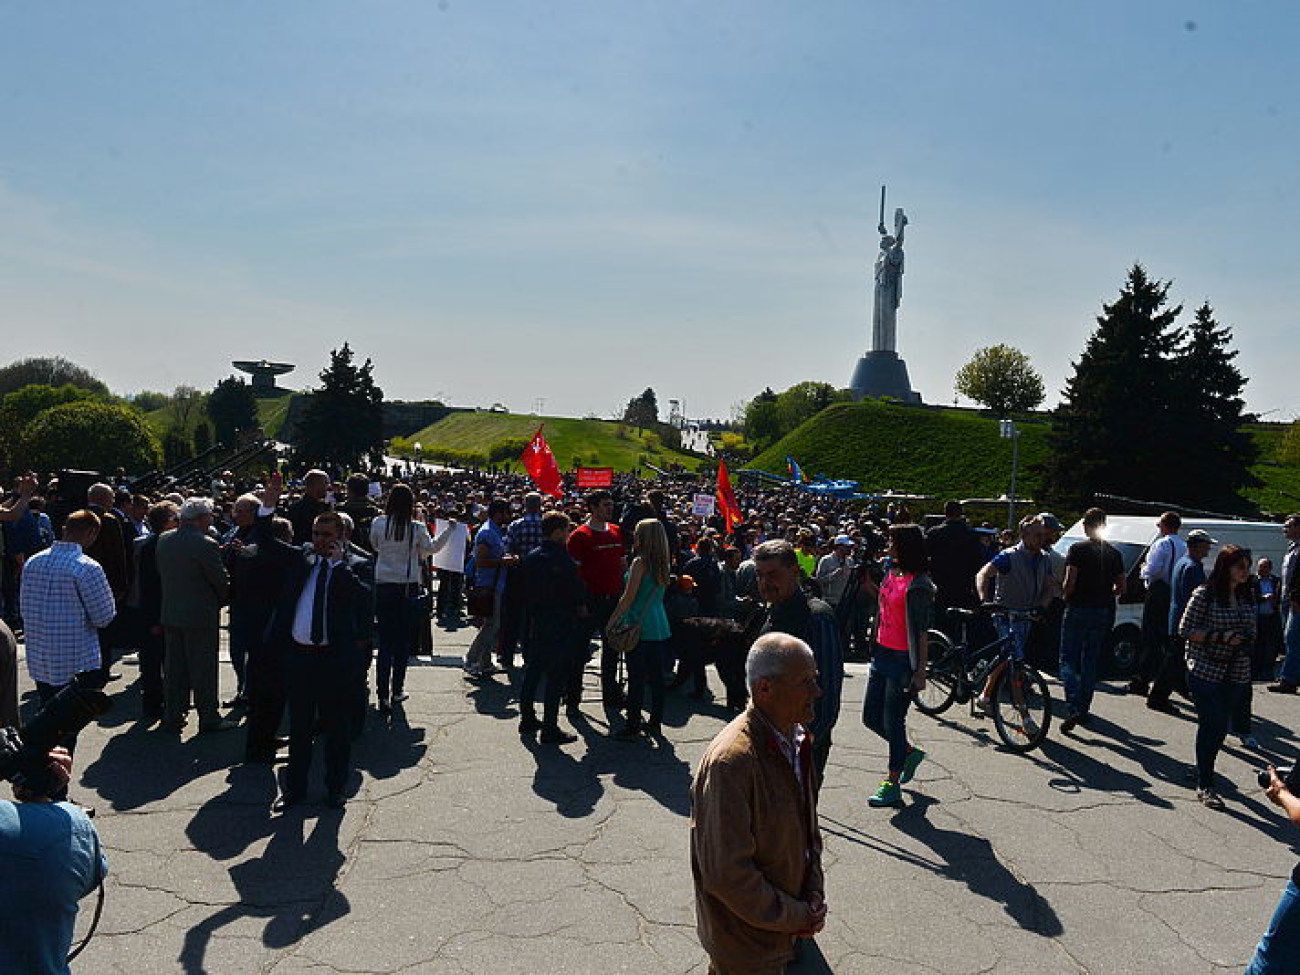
(956, 555)
(553, 593)
(350, 624)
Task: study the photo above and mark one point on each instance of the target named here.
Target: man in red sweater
(597, 546)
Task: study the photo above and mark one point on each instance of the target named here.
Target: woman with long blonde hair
(643, 603)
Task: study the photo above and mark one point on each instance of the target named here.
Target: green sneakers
(889, 794)
(914, 758)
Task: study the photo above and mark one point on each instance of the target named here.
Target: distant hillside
(593, 443)
(1281, 491)
(271, 413)
(958, 453)
(887, 446)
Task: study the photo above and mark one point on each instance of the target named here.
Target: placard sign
(595, 477)
(703, 506)
(452, 555)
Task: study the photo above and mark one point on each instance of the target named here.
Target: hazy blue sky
(574, 200)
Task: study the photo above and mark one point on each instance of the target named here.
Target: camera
(25, 753)
(1284, 772)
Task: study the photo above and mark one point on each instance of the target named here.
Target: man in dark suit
(112, 551)
(324, 621)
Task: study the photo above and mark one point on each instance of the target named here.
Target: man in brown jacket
(755, 844)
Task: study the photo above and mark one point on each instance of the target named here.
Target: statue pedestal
(883, 374)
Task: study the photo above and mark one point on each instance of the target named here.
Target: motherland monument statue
(881, 372)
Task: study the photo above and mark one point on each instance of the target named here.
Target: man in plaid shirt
(523, 535)
(65, 600)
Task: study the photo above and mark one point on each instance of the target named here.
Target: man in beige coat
(194, 588)
(755, 844)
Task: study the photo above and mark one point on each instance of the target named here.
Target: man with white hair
(194, 588)
(755, 843)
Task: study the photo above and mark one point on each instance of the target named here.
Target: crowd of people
(332, 586)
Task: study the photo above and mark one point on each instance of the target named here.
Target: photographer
(1279, 949)
(50, 858)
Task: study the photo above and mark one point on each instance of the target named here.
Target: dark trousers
(821, 753)
(247, 623)
(513, 613)
(549, 660)
(266, 697)
(152, 650)
(1155, 631)
(1216, 701)
(599, 609)
(1268, 644)
(645, 666)
(1171, 675)
(450, 586)
(395, 621)
(321, 693)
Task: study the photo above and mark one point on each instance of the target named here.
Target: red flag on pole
(541, 466)
(727, 497)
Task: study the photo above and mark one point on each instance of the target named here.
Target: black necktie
(318, 603)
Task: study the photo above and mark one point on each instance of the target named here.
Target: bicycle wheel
(1022, 708)
(941, 681)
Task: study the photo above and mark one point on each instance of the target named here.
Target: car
(1132, 536)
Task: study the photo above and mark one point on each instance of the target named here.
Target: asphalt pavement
(464, 850)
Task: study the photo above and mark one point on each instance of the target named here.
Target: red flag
(541, 466)
(727, 497)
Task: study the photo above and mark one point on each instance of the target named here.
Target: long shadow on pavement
(962, 857)
(1080, 771)
(291, 884)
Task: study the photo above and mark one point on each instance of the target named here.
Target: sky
(555, 205)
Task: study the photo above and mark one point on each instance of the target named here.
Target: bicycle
(1022, 703)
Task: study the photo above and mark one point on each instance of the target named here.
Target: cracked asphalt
(463, 851)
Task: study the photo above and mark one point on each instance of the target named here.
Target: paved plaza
(463, 851)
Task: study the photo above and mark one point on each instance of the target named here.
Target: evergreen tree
(202, 438)
(343, 420)
(1117, 428)
(232, 407)
(1216, 451)
(642, 411)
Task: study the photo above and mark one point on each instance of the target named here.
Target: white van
(1132, 535)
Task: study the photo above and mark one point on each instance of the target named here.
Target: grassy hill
(594, 443)
(271, 413)
(1281, 490)
(886, 446)
(958, 453)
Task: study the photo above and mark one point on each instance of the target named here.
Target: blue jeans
(1279, 950)
(1019, 632)
(884, 710)
(1083, 636)
(1290, 672)
(1215, 703)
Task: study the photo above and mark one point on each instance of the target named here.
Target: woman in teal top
(643, 602)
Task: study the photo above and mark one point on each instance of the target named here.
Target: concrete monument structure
(881, 372)
(263, 374)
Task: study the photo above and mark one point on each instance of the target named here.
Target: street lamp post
(1007, 430)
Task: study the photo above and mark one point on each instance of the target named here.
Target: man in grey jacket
(194, 588)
